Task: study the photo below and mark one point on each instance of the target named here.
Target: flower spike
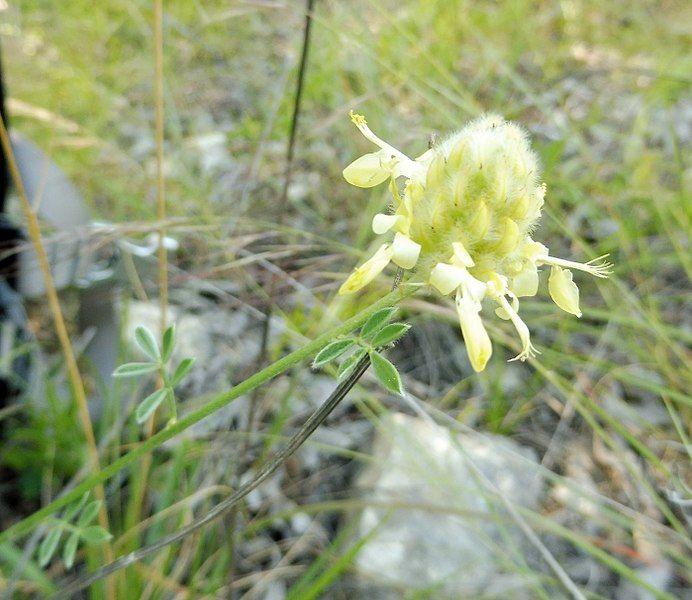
(464, 220)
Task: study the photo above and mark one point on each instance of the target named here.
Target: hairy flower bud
(464, 221)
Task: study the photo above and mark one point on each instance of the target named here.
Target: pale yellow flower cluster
(463, 218)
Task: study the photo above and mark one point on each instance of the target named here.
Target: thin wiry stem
(313, 422)
(140, 484)
(160, 181)
(295, 442)
(288, 170)
(310, 349)
(162, 257)
(271, 289)
(302, 69)
(73, 373)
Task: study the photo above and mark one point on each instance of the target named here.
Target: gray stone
(200, 336)
(450, 535)
(211, 150)
(222, 344)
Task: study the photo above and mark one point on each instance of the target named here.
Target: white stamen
(593, 267)
(360, 122)
(528, 351)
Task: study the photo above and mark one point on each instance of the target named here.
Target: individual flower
(463, 216)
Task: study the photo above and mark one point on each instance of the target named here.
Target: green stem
(170, 396)
(69, 590)
(150, 444)
(172, 407)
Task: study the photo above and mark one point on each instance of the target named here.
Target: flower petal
(446, 278)
(496, 283)
(405, 251)
(526, 282)
(400, 163)
(531, 249)
(383, 223)
(461, 257)
(478, 345)
(367, 171)
(475, 288)
(502, 313)
(508, 237)
(367, 271)
(563, 290)
(408, 168)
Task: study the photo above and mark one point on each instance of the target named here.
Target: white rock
(300, 523)
(451, 534)
(212, 150)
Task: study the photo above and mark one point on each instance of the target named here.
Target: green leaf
(71, 511)
(390, 333)
(181, 370)
(386, 373)
(135, 369)
(70, 549)
(147, 406)
(330, 352)
(147, 342)
(168, 343)
(349, 363)
(94, 535)
(89, 513)
(48, 546)
(377, 321)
